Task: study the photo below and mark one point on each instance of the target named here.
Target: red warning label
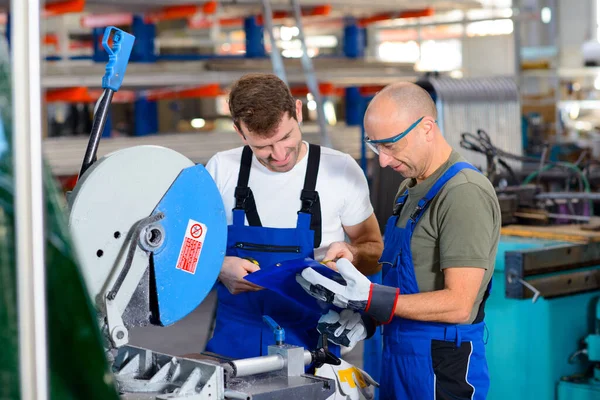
(195, 234)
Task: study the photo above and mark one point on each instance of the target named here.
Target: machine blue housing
(186, 267)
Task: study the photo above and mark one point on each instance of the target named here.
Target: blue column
(255, 42)
(354, 106)
(145, 117)
(143, 48)
(100, 55)
(354, 39)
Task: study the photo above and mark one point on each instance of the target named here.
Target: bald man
(440, 245)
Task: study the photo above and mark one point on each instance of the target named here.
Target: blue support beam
(354, 39)
(143, 49)
(145, 117)
(100, 55)
(354, 106)
(255, 40)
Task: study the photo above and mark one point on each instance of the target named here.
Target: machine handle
(118, 57)
(278, 331)
(514, 277)
(322, 355)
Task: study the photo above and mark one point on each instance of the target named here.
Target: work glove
(377, 301)
(345, 329)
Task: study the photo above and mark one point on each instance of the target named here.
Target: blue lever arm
(118, 57)
(278, 331)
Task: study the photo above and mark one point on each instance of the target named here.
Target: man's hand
(378, 301)
(233, 272)
(345, 329)
(336, 251)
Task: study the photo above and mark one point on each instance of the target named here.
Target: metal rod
(568, 196)
(311, 78)
(543, 216)
(232, 394)
(276, 60)
(258, 365)
(29, 198)
(262, 364)
(98, 126)
(308, 358)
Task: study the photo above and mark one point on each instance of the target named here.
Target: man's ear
(299, 111)
(429, 132)
(239, 132)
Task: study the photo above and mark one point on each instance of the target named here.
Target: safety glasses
(379, 145)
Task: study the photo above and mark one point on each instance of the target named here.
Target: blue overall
(239, 330)
(424, 360)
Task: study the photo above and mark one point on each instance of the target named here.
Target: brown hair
(260, 102)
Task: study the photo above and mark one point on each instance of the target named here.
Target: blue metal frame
(354, 39)
(255, 41)
(99, 55)
(143, 50)
(145, 116)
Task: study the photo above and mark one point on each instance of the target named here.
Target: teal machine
(543, 316)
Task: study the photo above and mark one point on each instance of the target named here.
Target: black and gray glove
(346, 328)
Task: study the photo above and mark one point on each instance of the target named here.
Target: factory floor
(191, 334)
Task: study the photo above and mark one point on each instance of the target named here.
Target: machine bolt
(152, 237)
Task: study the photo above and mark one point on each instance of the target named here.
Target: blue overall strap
(400, 203)
(437, 186)
(244, 199)
(311, 204)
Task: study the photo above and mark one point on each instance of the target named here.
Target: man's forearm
(438, 306)
(366, 256)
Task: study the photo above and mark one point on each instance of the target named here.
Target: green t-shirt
(460, 228)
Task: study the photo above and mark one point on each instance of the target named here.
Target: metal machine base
(142, 374)
(274, 386)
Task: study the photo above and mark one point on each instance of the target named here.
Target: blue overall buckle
(416, 213)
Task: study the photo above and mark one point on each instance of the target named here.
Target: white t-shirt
(341, 183)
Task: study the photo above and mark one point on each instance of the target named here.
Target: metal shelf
(352, 6)
(64, 154)
(164, 74)
(583, 72)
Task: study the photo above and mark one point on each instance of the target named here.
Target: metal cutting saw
(150, 232)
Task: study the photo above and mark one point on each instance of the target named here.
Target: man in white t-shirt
(285, 199)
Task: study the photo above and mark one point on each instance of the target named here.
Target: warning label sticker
(195, 234)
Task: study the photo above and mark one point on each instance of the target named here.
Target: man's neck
(439, 158)
(303, 151)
